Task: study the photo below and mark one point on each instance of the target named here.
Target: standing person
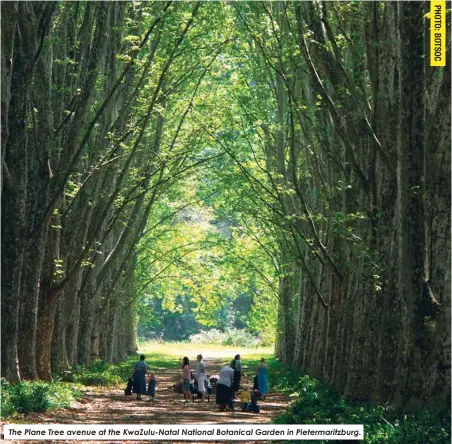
(262, 378)
(139, 377)
(224, 388)
(238, 372)
(186, 374)
(201, 377)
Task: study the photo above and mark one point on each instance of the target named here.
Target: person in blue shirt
(139, 377)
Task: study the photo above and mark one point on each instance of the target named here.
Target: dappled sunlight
(109, 405)
(265, 179)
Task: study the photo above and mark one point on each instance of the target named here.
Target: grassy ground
(169, 355)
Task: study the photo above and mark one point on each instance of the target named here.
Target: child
(253, 407)
(244, 399)
(151, 387)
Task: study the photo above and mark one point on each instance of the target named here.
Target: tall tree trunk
(51, 272)
(410, 207)
(88, 299)
(8, 32)
(59, 358)
(28, 313)
(14, 189)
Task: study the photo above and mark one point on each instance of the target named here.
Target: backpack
(129, 389)
(208, 386)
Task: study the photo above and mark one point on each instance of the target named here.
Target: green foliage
(232, 336)
(157, 323)
(196, 270)
(101, 373)
(316, 403)
(38, 396)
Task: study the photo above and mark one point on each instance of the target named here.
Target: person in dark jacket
(252, 406)
(238, 372)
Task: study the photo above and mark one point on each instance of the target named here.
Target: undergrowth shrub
(101, 373)
(233, 337)
(316, 403)
(267, 338)
(36, 396)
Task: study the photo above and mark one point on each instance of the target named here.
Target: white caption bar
(170, 432)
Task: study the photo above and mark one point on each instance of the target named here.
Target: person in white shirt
(224, 388)
(201, 377)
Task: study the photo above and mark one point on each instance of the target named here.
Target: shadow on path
(109, 405)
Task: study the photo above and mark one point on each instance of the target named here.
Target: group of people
(231, 381)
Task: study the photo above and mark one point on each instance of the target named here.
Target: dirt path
(110, 406)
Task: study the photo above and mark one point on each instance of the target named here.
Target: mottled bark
(48, 301)
(410, 206)
(9, 12)
(59, 358)
(14, 189)
(88, 299)
(384, 336)
(28, 309)
(39, 175)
